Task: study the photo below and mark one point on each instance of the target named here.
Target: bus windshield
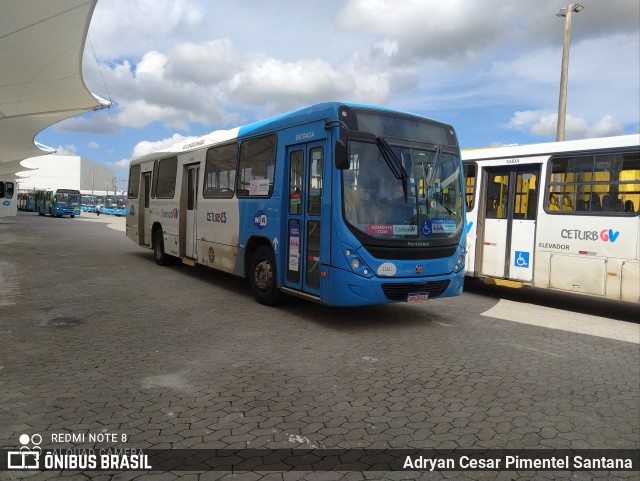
(67, 199)
(406, 191)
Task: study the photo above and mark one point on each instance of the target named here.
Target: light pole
(562, 104)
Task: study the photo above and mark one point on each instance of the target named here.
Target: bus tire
(161, 257)
(263, 276)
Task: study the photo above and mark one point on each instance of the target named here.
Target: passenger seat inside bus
(594, 203)
(628, 206)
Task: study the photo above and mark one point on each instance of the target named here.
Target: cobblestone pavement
(95, 338)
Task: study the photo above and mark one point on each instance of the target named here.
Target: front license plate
(418, 297)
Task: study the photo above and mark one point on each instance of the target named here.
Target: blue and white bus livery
(342, 204)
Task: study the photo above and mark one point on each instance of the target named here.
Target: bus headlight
(459, 263)
(354, 261)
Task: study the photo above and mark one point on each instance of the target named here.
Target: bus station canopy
(41, 83)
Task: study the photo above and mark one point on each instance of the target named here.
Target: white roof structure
(41, 83)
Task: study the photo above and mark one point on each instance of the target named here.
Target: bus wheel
(263, 278)
(162, 259)
(72, 216)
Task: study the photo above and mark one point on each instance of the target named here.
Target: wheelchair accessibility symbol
(521, 259)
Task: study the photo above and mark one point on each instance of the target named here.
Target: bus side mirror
(341, 155)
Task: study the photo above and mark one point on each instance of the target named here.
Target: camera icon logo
(26, 457)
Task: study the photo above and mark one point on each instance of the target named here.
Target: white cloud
(68, 149)
(147, 147)
(464, 29)
(127, 28)
(194, 66)
(120, 164)
(204, 83)
(93, 145)
(544, 124)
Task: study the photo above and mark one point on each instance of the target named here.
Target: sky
(174, 69)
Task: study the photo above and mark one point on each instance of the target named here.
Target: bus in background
(8, 198)
(121, 206)
(560, 215)
(340, 204)
(110, 204)
(88, 203)
(27, 201)
(100, 201)
(58, 203)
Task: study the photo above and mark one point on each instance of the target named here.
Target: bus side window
(134, 182)
(257, 164)
(470, 184)
(165, 184)
(220, 171)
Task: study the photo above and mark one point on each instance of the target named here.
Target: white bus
(8, 198)
(560, 215)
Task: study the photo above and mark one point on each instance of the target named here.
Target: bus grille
(399, 291)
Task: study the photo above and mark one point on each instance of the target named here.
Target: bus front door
(306, 164)
(509, 225)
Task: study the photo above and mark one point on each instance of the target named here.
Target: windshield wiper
(395, 165)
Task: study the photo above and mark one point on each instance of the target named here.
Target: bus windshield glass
(67, 199)
(403, 190)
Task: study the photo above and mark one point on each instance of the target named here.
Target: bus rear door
(306, 164)
(143, 214)
(188, 224)
(509, 225)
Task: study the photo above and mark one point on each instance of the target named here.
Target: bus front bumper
(348, 289)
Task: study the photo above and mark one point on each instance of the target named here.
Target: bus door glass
(192, 195)
(143, 215)
(509, 222)
(306, 164)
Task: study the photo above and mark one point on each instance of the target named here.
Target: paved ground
(95, 338)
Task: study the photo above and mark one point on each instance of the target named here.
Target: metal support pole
(562, 103)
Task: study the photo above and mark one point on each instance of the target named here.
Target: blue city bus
(110, 204)
(58, 203)
(342, 204)
(88, 203)
(121, 206)
(8, 199)
(27, 201)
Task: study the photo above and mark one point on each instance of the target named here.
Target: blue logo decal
(426, 227)
(132, 211)
(260, 220)
(521, 259)
(6, 202)
(469, 226)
